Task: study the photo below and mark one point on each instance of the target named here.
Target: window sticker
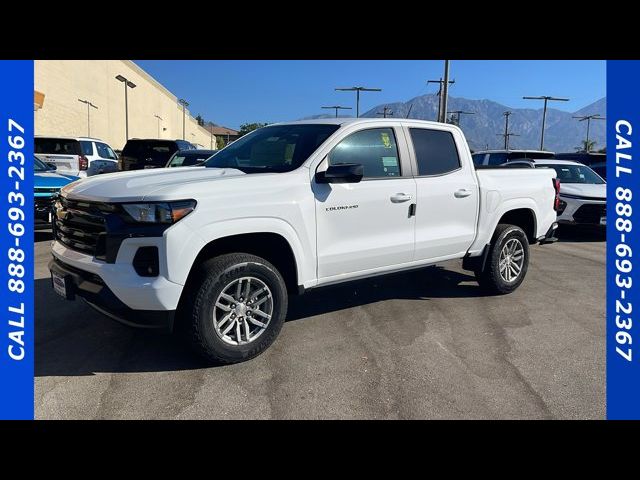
(386, 141)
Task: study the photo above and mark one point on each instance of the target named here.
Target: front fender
(302, 250)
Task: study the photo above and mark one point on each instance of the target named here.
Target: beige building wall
(63, 82)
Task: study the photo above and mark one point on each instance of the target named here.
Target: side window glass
(375, 149)
(436, 152)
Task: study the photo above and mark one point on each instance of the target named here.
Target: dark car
(597, 161)
(189, 158)
(150, 153)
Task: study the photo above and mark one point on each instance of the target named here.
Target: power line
(337, 107)
(588, 118)
(544, 112)
(358, 90)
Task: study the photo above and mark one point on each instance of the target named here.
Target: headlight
(159, 212)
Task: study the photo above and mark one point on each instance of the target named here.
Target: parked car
(583, 193)
(597, 161)
(217, 250)
(76, 156)
(46, 185)
(189, 158)
(139, 154)
(102, 158)
(498, 157)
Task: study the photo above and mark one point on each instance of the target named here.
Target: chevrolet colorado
(215, 251)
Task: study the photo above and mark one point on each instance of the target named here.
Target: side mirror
(52, 166)
(341, 173)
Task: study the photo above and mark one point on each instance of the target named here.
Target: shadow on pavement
(72, 339)
(42, 236)
(581, 233)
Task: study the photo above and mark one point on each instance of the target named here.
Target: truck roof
(351, 120)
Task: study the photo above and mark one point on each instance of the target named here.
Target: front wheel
(236, 309)
(507, 261)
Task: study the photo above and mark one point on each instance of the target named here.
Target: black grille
(590, 213)
(81, 226)
(42, 206)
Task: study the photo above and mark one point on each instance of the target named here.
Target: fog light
(146, 263)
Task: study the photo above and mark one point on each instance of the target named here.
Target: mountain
(562, 132)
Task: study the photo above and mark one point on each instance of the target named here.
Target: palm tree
(586, 146)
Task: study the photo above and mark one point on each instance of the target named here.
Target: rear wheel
(236, 309)
(507, 261)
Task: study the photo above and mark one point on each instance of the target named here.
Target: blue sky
(232, 92)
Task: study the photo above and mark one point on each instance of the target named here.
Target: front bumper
(93, 289)
(583, 212)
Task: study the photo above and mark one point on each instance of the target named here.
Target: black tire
(490, 278)
(197, 310)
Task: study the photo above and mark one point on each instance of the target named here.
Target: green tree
(220, 143)
(586, 146)
(250, 127)
(200, 120)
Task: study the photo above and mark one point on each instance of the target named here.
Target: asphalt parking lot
(421, 345)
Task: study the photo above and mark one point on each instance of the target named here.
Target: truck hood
(138, 184)
(584, 190)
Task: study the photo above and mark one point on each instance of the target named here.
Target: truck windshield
(576, 174)
(278, 148)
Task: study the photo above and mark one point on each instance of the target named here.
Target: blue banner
(16, 240)
(623, 248)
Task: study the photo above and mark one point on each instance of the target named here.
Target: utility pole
(358, 90)
(439, 94)
(544, 112)
(337, 107)
(457, 114)
(507, 136)
(506, 114)
(445, 92)
(184, 104)
(588, 118)
(127, 84)
(89, 107)
(159, 119)
(385, 111)
(409, 112)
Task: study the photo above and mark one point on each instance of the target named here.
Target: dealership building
(87, 98)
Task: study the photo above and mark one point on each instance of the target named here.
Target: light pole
(89, 107)
(184, 104)
(588, 118)
(127, 84)
(544, 112)
(358, 90)
(159, 120)
(337, 107)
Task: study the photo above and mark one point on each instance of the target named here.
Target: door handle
(463, 192)
(400, 198)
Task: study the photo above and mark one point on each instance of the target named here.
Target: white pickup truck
(216, 250)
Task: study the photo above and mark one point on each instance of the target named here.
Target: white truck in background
(216, 251)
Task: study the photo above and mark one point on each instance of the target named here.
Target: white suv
(77, 156)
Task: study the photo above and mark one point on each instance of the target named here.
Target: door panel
(366, 225)
(363, 225)
(447, 202)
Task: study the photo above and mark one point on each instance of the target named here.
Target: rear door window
(436, 152)
(104, 151)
